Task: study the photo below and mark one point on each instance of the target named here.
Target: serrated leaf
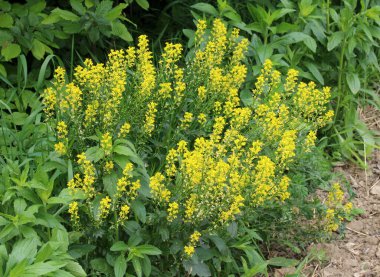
(115, 12)
(11, 51)
(119, 29)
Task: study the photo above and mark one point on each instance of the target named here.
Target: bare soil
(358, 253)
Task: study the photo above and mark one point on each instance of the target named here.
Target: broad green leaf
(315, 71)
(94, 154)
(143, 4)
(119, 29)
(38, 7)
(206, 8)
(66, 15)
(119, 246)
(51, 19)
(6, 20)
(115, 12)
(11, 51)
(139, 210)
(148, 249)
(75, 269)
(101, 265)
(353, 82)
(146, 266)
(42, 268)
(44, 253)
(197, 268)
(38, 49)
(78, 7)
(120, 266)
(23, 249)
(246, 97)
(137, 266)
(310, 43)
(334, 40)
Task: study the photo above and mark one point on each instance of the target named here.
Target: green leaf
(66, 15)
(119, 29)
(120, 266)
(334, 40)
(148, 249)
(75, 269)
(137, 266)
(115, 12)
(139, 209)
(94, 154)
(51, 19)
(246, 97)
(22, 249)
(283, 262)
(42, 268)
(38, 7)
(78, 7)
(119, 246)
(11, 51)
(373, 13)
(353, 82)
(315, 71)
(38, 49)
(101, 265)
(197, 268)
(206, 8)
(310, 43)
(6, 20)
(143, 4)
(110, 184)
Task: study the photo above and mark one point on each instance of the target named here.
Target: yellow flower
(202, 119)
(60, 148)
(150, 117)
(104, 207)
(106, 143)
(109, 166)
(62, 129)
(73, 211)
(172, 211)
(186, 121)
(310, 141)
(158, 189)
(189, 250)
(123, 214)
(124, 130)
(194, 238)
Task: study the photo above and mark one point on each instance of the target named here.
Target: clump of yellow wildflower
(190, 248)
(104, 207)
(73, 211)
(172, 211)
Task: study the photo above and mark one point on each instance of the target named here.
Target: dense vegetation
(135, 145)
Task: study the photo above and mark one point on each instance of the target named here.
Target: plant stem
(328, 16)
(116, 225)
(340, 78)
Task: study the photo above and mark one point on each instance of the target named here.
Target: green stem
(328, 16)
(72, 58)
(116, 225)
(340, 78)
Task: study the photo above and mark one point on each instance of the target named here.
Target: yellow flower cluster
(336, 211)
(150, 117)
(190, 248)
(104, 207)
(172, 211)
(73, 211)
(106, 143)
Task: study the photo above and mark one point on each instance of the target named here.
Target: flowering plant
(169, 155)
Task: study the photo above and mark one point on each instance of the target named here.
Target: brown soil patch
(358, 253)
